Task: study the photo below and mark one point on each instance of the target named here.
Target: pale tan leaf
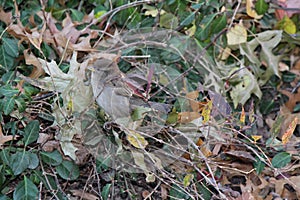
(251, 11)
(237, 35)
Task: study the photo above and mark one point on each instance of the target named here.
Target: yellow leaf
(251, 11)
(237, 35)
(187, 179)
(256, 137)
(289, 132)
(287, 25)
(136, 139)
(243, 116)
(206, 111)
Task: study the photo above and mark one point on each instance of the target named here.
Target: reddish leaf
(289, 132)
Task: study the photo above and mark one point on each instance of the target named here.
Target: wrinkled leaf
(243, 90)
(289, 132)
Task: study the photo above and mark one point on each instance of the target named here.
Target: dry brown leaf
(242, 155)
(290, 6)
(30, 59)
(293, 181)
(6, 138)
(6, 17)
(290, 130)
(186, 117)
(84, 195)
(293, 98)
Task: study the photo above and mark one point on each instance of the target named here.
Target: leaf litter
(77, 97)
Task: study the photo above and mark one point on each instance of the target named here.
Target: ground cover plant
(149, 99)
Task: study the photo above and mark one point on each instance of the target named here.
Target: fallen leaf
(186, 117)
(251, 11)
(206, 111)
(84, 195)
(187, 179)
(287, 25)
(237, 35)
(243, 116)
(289, 8)
(256, 137)
(289, 132)
(6, 138)
(136, 139)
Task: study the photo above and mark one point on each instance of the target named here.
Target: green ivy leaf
(33, 160)
(168, 20)
(53, 158)
(19, 162)
(259, 165)
(281, 159)
(31, 132)
(8, 106)
(76, 15)
(261, 7)
(204, 28)
(105, 191)
(8, 91)
(10, 47)
(68, 170)
(26, 190)
(188, 20)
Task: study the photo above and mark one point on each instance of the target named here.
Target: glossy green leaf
(219, 24)
(21, 104)
(68, 170)
(177, 193)
(259, 165)
(19, 162)
(31, 132)
(105, 191)
(261, 7)
(5, 156)
(26, 190)
(11, 47)
(33, 160)
(53, 158)
(188, 20)
(8, 91)
(204, 28)
(281, 159)
(76, 15)
(6, 61)
(8, 106)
